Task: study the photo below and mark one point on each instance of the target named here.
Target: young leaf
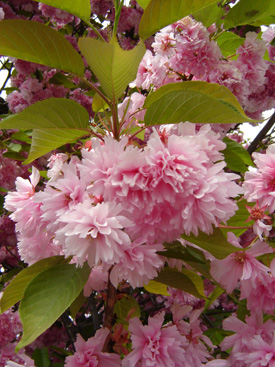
(236, 157)
(157, 288)
(229, 42)
(56, 121)
(214, 243)
(186, 281)
(114, 67)
(195, 101)
(35, 42)
(160, 13)
(125, 308)
(47, 296)
(247, 12)
(15, 290)
(79, 8)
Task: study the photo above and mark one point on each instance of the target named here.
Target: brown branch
(262, 134)
(109, 309)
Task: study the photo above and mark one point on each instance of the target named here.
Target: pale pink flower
(94, 233)
(240, 265)
(139, 263)
(90, 353)
(262, 354)
(154, 345)
(25, 189)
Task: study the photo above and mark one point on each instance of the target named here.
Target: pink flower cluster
(119, 203)
(186, 48)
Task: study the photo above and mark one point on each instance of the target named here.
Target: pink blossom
(90, 353)
(240, 265)
(94, 233)
(259, 185)
(262, 354)
(153, 345)
(139, 263)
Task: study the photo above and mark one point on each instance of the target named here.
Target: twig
(253, 146)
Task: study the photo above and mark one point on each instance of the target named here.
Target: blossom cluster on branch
(140, 231)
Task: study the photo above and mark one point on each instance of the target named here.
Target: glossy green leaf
(126, 308)
(186, 281)
(79, 8)
(56, 121)
(46, 140)
(35, 42)
(229, 43)
(114, 67)
(248, 12)
(47, 296)
(209, 15)
(15, 290)
(160, 13)
(157, 288)
(236, 156)
(196, 101)
(214, 243)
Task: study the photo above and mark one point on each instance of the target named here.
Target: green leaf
(209, 15)
(79, 8)
(247, 12)
(216, 335)
(46, 140)
(236, 157)
(214, 243)
(196, 101)
(15, 290)
(41, 357)
(114, 67)
(126, 309)
(99, 104)
(190, 255)
(157, 288)
(143, 3)
(35, 42)
(229, 42)
(160, 13)
(187, 281)
(56, 121)
(61, 79)
(47, 296)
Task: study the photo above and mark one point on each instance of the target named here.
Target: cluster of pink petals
(241, 266)
(259, 185)
(252, 342)
(118, 204)
(154, 345)
(89, 353)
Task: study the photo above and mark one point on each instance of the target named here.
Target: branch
(253, 146)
